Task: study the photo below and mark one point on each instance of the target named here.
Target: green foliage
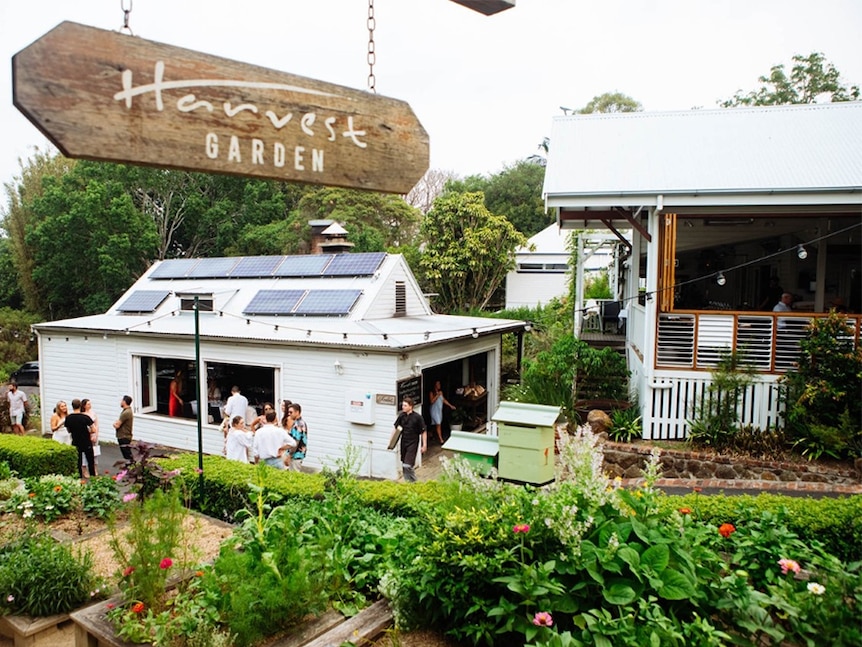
(516, 193)
(598, 286)
(834, 522)
(55, 579)
(626, 425)
(611, 102)
(46, 497)
(468, 251)
(16, 345)
(823, 409)
(717, 415)
(810, 78)
(100, 497)
(32, 456)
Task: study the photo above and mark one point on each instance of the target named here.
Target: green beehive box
(477, 449)
(526, 439)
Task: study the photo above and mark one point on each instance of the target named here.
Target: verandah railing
(767, 341)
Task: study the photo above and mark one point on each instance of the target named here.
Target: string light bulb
(720, 279)
(801, 252)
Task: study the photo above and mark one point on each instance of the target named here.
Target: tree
(90, 244)
(611, 102)
(431, 185)
(515, 192)
(468, 251)
(811, 78)
(390, 216)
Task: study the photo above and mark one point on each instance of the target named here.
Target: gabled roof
(810, 151)
(320, 299)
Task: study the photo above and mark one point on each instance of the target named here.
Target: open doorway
(464, 383)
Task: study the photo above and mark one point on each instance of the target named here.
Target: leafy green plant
(626, 425)
(823, 391)
(46, 497)
(100, 497)
(41, 577)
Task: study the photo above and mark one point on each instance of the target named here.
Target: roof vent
(400, 299)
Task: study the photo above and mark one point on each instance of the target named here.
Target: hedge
(837, 523)
(34, 456)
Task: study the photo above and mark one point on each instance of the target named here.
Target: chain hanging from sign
(372, 54)
(127, 13)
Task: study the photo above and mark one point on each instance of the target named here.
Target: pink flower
(128, 571)
(166, 563)
(198, 470)
(121, 475)
(131, 496)
(525, 528)
(543, 619)
(788, 565)
(110, 605)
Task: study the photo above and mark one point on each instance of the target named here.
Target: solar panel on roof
(328, 302)
(307, 265)
(362, 264)
(143, 301)
(175, 268)
(273, 302)
(256, 266)
(212, 268)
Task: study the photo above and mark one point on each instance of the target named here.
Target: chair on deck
(610, 316)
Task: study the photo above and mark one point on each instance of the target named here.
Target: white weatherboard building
(344, 335)
(717, 203)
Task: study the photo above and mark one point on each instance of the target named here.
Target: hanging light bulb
(720, 279)
(801, 252)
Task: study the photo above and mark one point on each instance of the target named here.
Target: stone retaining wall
(627, 461)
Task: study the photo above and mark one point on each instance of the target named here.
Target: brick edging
(740, 484)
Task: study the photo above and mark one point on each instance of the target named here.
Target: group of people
(279, 443)
(80, 428)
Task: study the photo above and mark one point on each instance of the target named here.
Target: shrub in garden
(41, 577)
(46, 497)
(32, 456)
(585, 562)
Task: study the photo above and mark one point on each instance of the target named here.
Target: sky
(486, 88)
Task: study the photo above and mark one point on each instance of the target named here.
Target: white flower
(816, 589)
(49, 507)
(10, 598)
(27, 514)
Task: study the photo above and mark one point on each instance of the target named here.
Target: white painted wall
(102, 370)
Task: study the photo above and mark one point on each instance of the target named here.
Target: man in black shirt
(413, 434)
(78, 424)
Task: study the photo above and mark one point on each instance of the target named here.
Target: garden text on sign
(109, 96)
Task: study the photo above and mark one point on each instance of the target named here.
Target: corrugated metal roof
(815, 147)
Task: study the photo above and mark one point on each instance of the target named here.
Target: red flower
(697, 489)
(110, 605)
(685, 510)
(138, 607)
(525, 528)
(726, 530)
(128, 571)
(166, 563)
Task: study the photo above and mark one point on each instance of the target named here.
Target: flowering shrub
(45, 497)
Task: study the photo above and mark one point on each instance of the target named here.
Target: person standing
(437, 402)
(87, 409)
(299, 432)
(123, 425)
(58, 424)
(17, 407)
(270, 443)
(175, 401)
(414, 437)
(239, 441)
(236, 405)
(79, 425)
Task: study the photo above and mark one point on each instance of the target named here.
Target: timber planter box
(51, 631)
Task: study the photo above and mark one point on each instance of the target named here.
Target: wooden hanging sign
(104, 95)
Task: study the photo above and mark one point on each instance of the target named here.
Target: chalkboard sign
(411, 387)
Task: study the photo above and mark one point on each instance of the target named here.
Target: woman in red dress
(175, 402)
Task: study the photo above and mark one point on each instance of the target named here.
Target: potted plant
(457, 420)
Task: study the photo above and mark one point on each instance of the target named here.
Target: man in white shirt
(270, 441)
(786, 303)
(236, 404)
(17, 406)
